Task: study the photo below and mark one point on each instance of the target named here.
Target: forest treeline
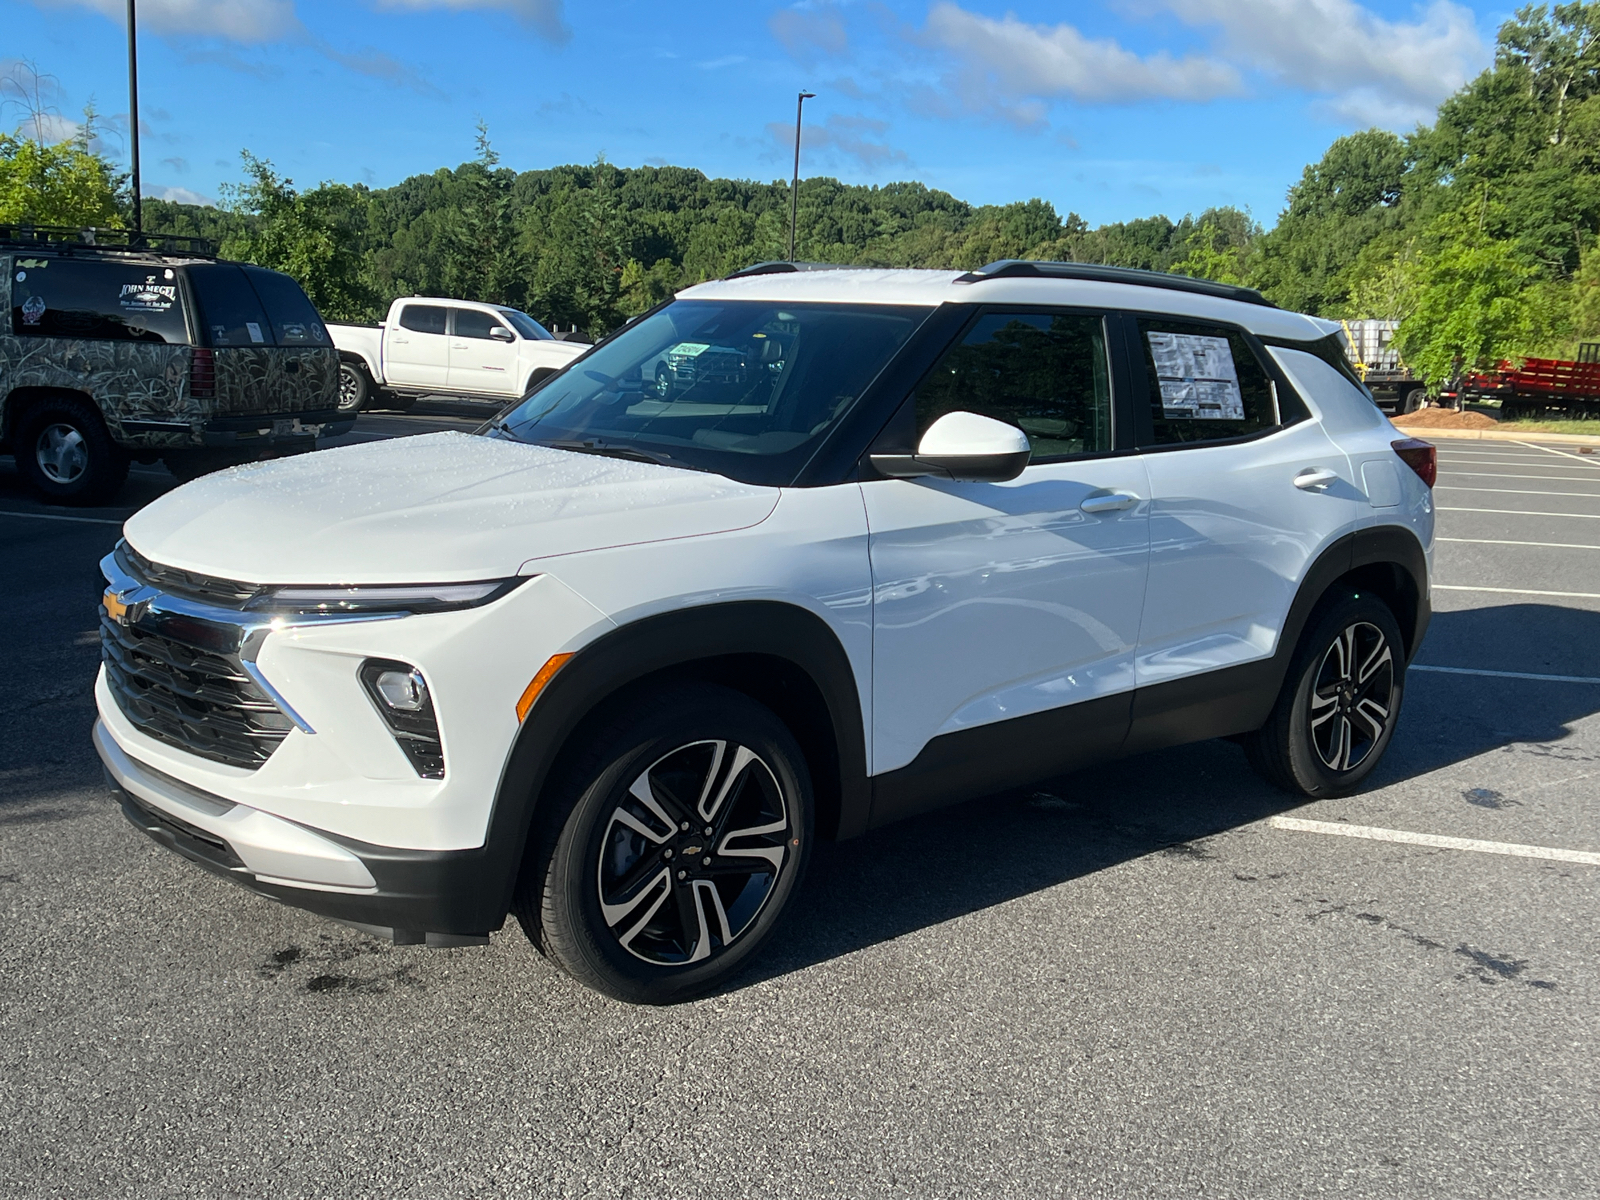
(1478, 232)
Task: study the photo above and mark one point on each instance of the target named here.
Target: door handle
(399, 341)
(459, 346)
(1104, 502)
(1315, 479)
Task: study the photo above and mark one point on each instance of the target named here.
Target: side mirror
(500, 333)
(962, 445)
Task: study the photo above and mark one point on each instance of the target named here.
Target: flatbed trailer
(1566, 387)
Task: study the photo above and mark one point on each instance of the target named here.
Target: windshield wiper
(611, 450)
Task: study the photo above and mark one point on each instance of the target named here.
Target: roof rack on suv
(71, 238)
(783, 268)
(1013, 268)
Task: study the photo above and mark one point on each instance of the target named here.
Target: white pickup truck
(431, 346)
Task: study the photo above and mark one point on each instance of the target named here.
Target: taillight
(203, 374)
(1420, 456)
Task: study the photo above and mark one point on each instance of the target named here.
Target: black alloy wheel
(65, 453)
(687, 827)
(663, 381)
(354, 388)
(1352, 696)
(1340, 702)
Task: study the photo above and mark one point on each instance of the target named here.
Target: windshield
(527, 326)
(745, 388)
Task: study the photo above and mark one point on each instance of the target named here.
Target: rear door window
(423, 318)
(1206, 384)
(1044, 372)
(293, 317)
(99, 301)
(230, 312)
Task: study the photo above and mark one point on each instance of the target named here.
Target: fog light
(405, 691)
(400, 694)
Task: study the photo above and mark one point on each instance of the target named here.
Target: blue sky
(1114, 109)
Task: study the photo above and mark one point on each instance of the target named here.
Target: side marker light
(538, 682)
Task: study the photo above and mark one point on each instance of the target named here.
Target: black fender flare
(1239, 699)
(688, 639)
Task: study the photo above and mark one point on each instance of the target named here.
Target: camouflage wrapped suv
(152, 349)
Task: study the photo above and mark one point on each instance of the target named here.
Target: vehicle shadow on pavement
(932, 869)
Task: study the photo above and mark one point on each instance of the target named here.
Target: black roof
(69, 239)
(1015, 268)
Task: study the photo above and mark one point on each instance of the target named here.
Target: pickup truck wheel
(67, 456)
(1339, 704)
(664, 381)
(678, 834)
(1412, 400)
(354, 388)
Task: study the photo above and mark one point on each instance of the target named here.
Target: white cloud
(858, 138)
(236, 20)
(1012, 68)
(1371, 69)
(808, 30)
(544, 16)
(178, 195)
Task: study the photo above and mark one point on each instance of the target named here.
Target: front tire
(678, 835)
(65, 453)
(1340, 703)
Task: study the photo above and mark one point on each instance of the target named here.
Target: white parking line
(1373, 833)
(1586, 460)
(1454, 587)
(1507, 542)
(1506, 674)
(55, 517)
(1517, 512)
(1575, 476)
(1450, 487)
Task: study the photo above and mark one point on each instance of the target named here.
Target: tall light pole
(133, 114)
(794, 188)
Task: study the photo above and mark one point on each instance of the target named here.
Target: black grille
(190, 698)
(190, 584)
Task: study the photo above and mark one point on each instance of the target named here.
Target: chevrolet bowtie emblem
(118, 609)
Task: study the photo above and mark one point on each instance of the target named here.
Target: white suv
(612, 664)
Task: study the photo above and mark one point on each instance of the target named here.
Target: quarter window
(99, 301)
(1045, 373)
(423, 318)
(470, 323)
(1206, 384)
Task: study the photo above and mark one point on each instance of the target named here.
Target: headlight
(384, 598)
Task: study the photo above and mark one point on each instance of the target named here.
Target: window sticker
(148, 296)
(32, 310)
(1197, 376)
(295, 332)
(255, 332)
(21, 275)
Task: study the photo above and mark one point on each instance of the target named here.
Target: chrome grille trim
(183, 671)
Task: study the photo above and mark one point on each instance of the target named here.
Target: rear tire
(1411, 401)
(1339, 704)
(355, 386)
(65, 453)
(623, 886)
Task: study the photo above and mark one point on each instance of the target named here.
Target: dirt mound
(1444, 418)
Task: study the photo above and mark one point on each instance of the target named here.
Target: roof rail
(1015, 268)
(784, 268)
(71, 238)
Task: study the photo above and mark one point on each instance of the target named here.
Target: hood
(438, 508)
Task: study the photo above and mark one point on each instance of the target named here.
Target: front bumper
(413, 896)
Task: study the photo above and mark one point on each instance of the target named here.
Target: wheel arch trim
(655, 645)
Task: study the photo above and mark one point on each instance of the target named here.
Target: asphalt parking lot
(1129, 982)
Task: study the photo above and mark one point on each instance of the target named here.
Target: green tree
(310, 235)
(62, 184)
